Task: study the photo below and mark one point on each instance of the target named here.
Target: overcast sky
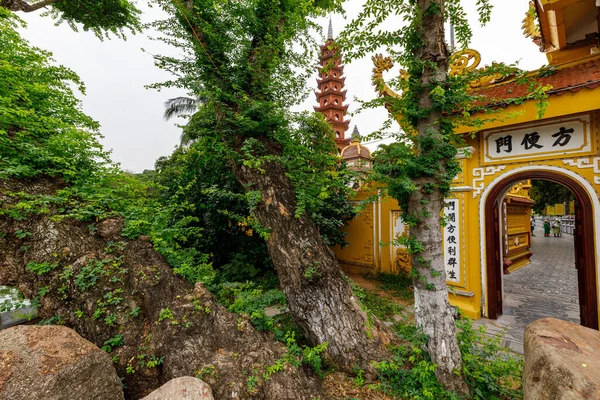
(116, 71)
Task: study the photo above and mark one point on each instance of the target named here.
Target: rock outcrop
(184, 388)
(52, 363)
(123, 296)
(561, 361)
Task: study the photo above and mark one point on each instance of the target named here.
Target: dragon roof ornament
(530, 25)
(462, 62)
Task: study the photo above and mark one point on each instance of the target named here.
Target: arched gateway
(586, 253)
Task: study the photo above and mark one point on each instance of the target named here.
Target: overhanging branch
(22, 5)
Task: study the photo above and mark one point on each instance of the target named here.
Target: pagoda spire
(331, 94)
(355, 134)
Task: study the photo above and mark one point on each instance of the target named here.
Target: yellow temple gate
(489, 209)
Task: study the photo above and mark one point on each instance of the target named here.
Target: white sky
(116, 71)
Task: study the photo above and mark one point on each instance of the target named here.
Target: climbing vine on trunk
(418, 169)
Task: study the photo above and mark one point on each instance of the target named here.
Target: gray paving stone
(545, 288)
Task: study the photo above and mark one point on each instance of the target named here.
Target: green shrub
(490, 371)
(250, 299)
(40, 268)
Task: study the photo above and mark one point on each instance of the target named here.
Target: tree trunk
(432, 307)
(433, 312)
(102, 285)
(319, 296)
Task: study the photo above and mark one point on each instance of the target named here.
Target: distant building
(331, 93)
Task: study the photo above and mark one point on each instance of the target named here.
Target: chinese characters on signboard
(452, 240)
(531, 139)
(565, 136)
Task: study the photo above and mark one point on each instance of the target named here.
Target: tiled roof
(355, 150)
(568, 79)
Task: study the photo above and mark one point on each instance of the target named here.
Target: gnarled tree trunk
(319, 296)
(103, 286)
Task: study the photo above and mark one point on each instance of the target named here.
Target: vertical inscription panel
(453, 241)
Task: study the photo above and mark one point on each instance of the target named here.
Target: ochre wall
(365, 234)
(517, 233)
(470, 188)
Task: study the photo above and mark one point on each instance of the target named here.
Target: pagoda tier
(339, 127)
(334, 80)
(341, 143)
(329, 106)
(331, 93)
(320, 95)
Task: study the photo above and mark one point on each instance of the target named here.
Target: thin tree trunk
(433, 312)
(432, 307)
(318, 294)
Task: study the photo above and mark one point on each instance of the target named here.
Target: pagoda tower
(331, 94)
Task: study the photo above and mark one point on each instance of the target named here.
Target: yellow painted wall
(370, 236)
(518, 235)
(557, 209)
(375, 225)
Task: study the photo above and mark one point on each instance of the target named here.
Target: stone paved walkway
(545, 288)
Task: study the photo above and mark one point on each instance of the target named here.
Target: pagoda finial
(330, 30)
(355, 135)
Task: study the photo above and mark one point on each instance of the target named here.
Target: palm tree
(182, 106)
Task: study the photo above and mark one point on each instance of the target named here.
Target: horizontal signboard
(539, 141)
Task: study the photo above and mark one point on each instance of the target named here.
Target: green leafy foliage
(490, 370)
(382, 307)
(113, 342)
(99, 16)
(43, 132)
(243, 118)
(251, 299)
(40, 268)
(42, 127)
(102, 17)
(198, 186)
(204, 196)
(547, 192)
(166, 313)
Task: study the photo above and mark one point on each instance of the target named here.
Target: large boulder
(562, 360)
(184, 388)
(54, 362)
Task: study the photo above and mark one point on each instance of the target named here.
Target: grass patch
(382, 307)
(400, 285)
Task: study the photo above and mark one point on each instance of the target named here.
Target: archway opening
(497, 237)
